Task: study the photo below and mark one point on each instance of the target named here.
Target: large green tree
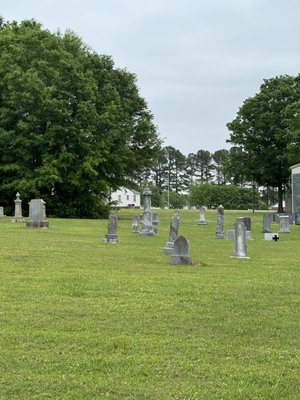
(260, 132)
(71, 124)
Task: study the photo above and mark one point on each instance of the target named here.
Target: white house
(126, 198)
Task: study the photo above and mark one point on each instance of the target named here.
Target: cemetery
(85, 319)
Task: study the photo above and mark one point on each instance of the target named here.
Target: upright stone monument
(240, 248)
(284, 224)
(174, 226)
(202, 219)
(2, 212)
(220, 223)
(181, 253)
(155, 219)
(147, 227)
(267, 220)
(135, 224)
(111, 236)
(18, 217)
(37, 214)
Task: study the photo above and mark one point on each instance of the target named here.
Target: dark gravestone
(111, 236)
(220, 223)
(247, 223)
(181, 253)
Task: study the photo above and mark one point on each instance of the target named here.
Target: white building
(126, 198)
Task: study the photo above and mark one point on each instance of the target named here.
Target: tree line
(73, 127)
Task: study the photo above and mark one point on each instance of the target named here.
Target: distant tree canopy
(265, 134)
(71, 124)
(231, 196)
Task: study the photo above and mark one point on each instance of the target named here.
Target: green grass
(81, 319)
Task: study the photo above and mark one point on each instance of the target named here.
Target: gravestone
(271, 236)
(247, 223)
(181, 252)
(295, 186)
(174, 226)
(111, 235)
(297, 218)
(2, 212)
(231, 234)
(240, 248)
(37, 214)
(155, 219)
(135, 224)
(147, 227)
(18, 209)
(220, 223)
(284, 224)
(202, 219)
(267, 220)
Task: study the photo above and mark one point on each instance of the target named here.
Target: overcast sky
(196, 61)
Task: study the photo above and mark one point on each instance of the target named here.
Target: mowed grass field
(82, 319)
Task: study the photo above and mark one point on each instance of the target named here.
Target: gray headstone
(284, 224)
(231, 234)
(155, 219)
(18, 209)
(267, 220)
(181, 253)
(147, 227)
(297, 218)
(240, 248)
(247, 223)
(220, 223)
(2, 212)
(37, 214)
(202, 219)
(111, 235)
(135, 224)
(174, 226)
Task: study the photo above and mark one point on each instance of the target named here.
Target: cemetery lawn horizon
(83, 319)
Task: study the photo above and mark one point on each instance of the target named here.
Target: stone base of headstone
(202, 223)
(37, 224)
(271, 236)
(169, 248)
(180, 260)
(241, 257)
(108, 238)
(15, 220)
(219, 236)
(148, 231)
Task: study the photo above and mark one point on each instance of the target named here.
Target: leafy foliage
(260, 133)
(231, 196)
(71, 125)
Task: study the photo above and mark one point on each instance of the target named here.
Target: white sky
(196, 61)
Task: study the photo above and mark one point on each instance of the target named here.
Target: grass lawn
(82, 319)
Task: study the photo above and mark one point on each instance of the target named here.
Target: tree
(176, 169)
(260, 132)
(220, 158)
(203, 165)
(71, 124)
